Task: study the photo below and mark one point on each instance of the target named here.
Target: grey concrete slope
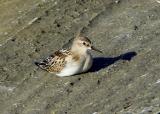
(125, 79)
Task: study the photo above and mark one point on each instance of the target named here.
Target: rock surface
(125, 79)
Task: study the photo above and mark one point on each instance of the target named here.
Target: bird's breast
(72, 67)
(88, 63)
(76, 65)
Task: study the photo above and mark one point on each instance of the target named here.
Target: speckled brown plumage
(55, 62)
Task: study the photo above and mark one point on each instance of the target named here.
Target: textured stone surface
(125, 79)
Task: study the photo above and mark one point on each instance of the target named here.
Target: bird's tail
(42, 65)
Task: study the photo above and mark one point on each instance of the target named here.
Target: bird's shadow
(102, 62)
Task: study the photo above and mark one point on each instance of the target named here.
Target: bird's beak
(95, 49)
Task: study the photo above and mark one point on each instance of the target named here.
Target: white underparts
(75, 67)
(69, 69)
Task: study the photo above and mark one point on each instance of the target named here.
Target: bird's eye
(84, 43)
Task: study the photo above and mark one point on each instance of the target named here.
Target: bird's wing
(55, 62)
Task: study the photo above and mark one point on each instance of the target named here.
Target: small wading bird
(67, 62)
